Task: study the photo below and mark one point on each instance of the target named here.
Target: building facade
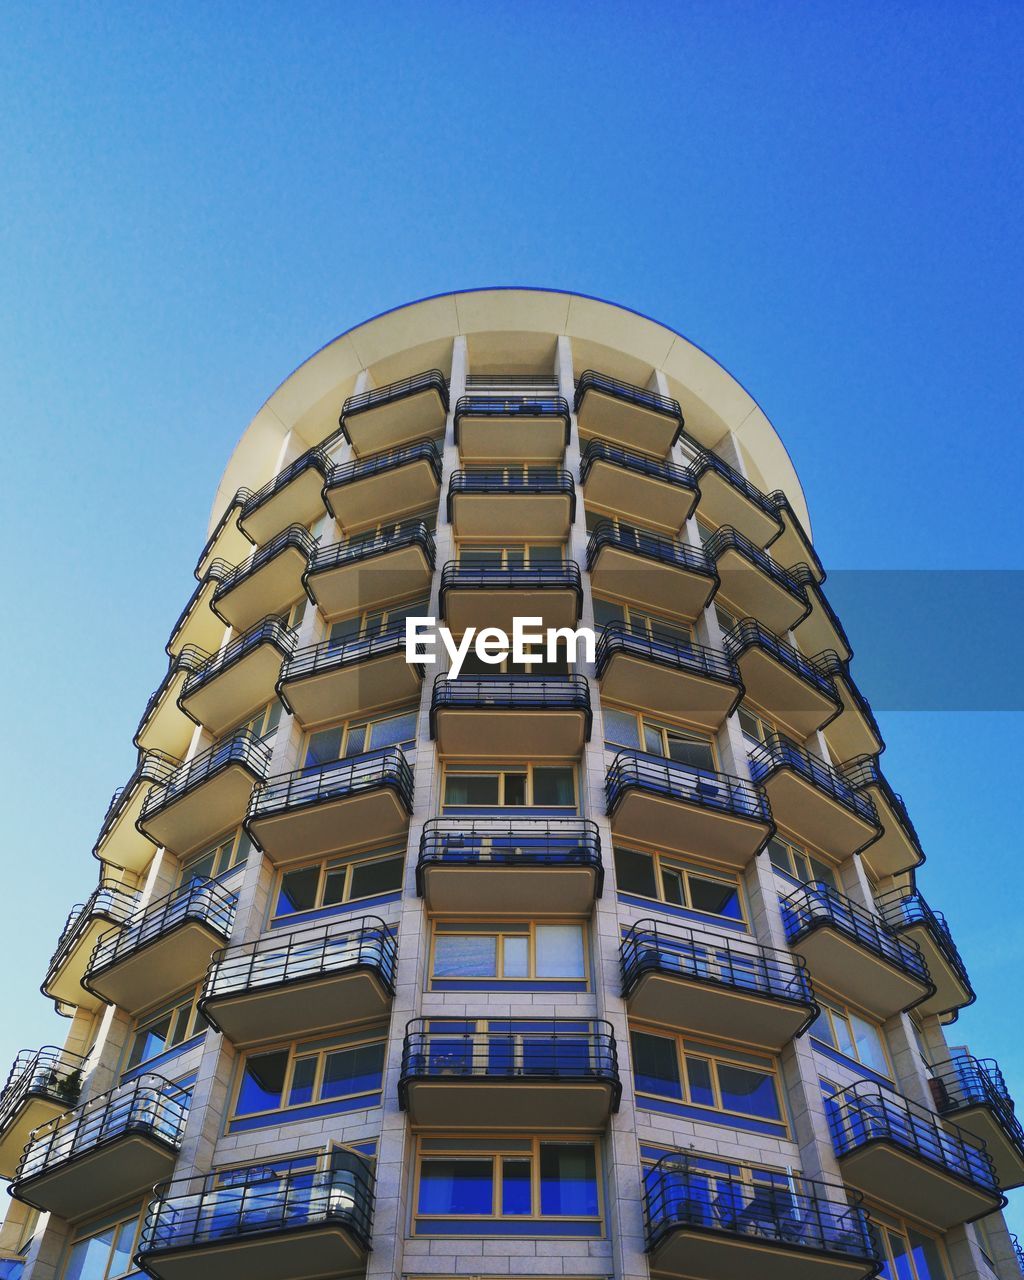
(609, 969)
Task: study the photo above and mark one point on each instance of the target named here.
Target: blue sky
(197, 197)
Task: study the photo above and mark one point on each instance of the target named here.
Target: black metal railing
(217, 571)
(831, 665)
(355, 549)
(270, 631)
(506, 481)
(333, 655)
(864, 772)
(191, 1213)
(520, 842)
(149, 1105)
(801, 573)
(511, 693)
(322, 951)
(666, 650)
(429, 380)
(778, 752)
(866, 1112)
(49, 1073)
(153, 766)
(652, 546)
(718, 959)
(591, 380)
(964, 1082)
(819, 906)
(706, 461)
(244, 749)
(185, 661)
(769, 1209)
(1018, 1251)
(498, 407)
(783, 509)
(558, 575)
(230, 513)
(345, 473)
(726, 539)
(641, 465)
(903, 909)
(635, 770)
(199, 901)
(294, 538)
(108, 901)
(314, 459)
(320, 784)
(748, 633)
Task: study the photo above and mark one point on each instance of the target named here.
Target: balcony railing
(1018, 1251)
(817, 905)
(332, 655)
(218, 571)
(591, 380)
(791, 1212)
(180, 663)
(210, 665)
(779, 752)
(728, 539)
(638, 463)
(658, 946)
(965, 1081)
(318, 784)
(525, 406)
(108, 901)
(750, 634)
(783, 509)
(295, 537)
(552, 842)
(661, 777)
(706, 460)
(511, 693)
(243, 748)
(559, 575)
(49, 1073)
(345, 473)
(666, 651)
(514, 481)
(153, 766)
(831, 665)
(902, 910)
(864, 772)
(353, 550)
(314, 459)
(652, 546)
(801, 573)
(429, 380)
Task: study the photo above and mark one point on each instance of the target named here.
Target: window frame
(528, 767)
(422, 603)
(324, 867)
(887, 1223)
(831, 1008)
(347, 727)
(795, 850)
(525, 545)
(673, 863)
(641, 623)
(500, 931)
(664, 728)
(193, 1024)
(222, 864)
(84, 1232)
(302, 1050)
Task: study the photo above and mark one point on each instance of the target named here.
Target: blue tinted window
(656, 1065)
(263, 1083)
(751, 1092)
(568, 1180)
(456, 1187)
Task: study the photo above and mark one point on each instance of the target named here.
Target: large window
(508, 951)
(336, 881)
(520, 786)
(354, 737)
(262, 725)
(907, 1252)
(107, 1251)
(852, 1035)
(717, 1079)
(799, 863)
(519, 555)
(654, 875)
(633, 730)
(222, 857)
(377, 620)
(164, 1029)
(646, 625)
(299, 1076)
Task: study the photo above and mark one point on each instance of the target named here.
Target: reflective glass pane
(900, 1256)
(352, 1071)
(621, 728)
(456, 1187)
(715, 897)
(568, 1180)
(516, 957)
(751, 1092)
(656, 1065)
(323, 747)
(121, 1257)
(303, 1079)
(634, 872)
(334, 886)
(88, 1259)
(474, 789)
(927, 1258)
(386, 733)
(382, 876)
(672, 886)
(868, 1040)
(262, 1083)
(515, 789)
(553, 787)
(559, 951)
(516, 1191)
(297, 891)
(465, 956)
(698, 1080)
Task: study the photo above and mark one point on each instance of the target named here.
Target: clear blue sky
(195, 197)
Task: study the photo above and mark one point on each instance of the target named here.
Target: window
(799, 863)
(394, 528)
(634, 730)
(262, 725)
(853, 1036)
(508, 951)
(218, 859)
(520, 555)
(538, 786)
(645, 625)
(726, 620)
(331, 883)
(168, 1027)
(354, 737)
(719, 1079)
(653, 875)
(106, 1252)
(293, 617)
(755, 728)
(907, 1253)
(298, 1076)
(377, 621)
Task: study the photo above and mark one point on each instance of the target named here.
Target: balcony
(527, 1074)
(660, 673)
(897, 849)
(511, 502)
(514, 428)
(396, 414)
(811, 799)
(777, 676)
(205, 796)
(364, 573)
(261, 1224)
(197, 624)
(384, 487)
(527, 866)
(479, 596)
(854, 952)
(672, 806)
(164, 727)
(162, 949)
(715, 984)
(727, 498)
(854, 731)
(42, 1084)
(716, 1226)
(120, 842)
(313, 980)
(907, 913)
(293, 497)
(897, 1152)
(327, 808)
(752, 585)
(634, 487)
(227, 687)
(333, 681)
(227, 541)
(625, 414)
(791, 545)
(516, 717)
(267, 583)
(113, 1147)
(820, 628)
(108, 908)
(651, 571)
(972, 1092)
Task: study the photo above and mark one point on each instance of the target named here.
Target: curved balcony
(897, 1152)
(906, 913)
(164, 727)
(664, 675)
(648, 570)
(288, 986)
(527, 1073)
(728, 498)
(227, 687)
(820, 629)
(109, 905)
(338, 679)
(811, 799)
(364, 573)
(42, 1083)
(206, 796)
(513, 428)
(898, 848)
(716, 1226)
(526, 866)
(327, 808)
(672, 806)
(511, 502)
(510, 716)
(972, 1092)
(792, 545)
(853, 731)
(197, 623)
(267, 583)
(384, 487)
(293, 497)
(625, 414)
(633, 487)
(303, 1223)
(475, 596)
(227, 541)
(752, 585)
(113, 1147)
(791, 688)
(715, 984)
(120, 842)
(396, 414)
(854, 952)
